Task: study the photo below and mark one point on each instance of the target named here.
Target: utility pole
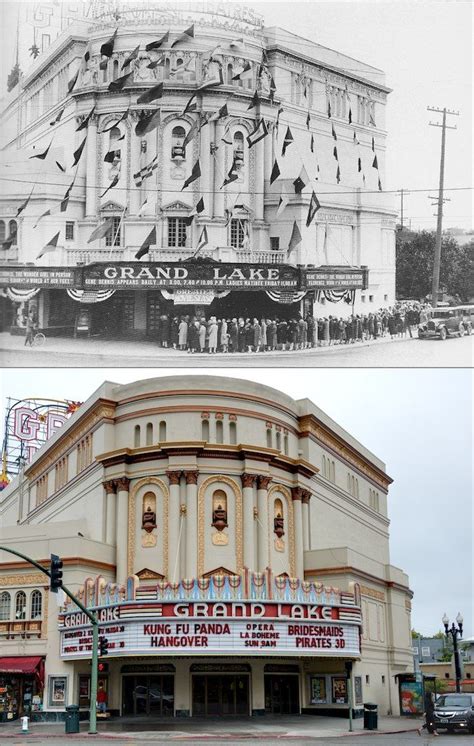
(401, 209)
(439, 227)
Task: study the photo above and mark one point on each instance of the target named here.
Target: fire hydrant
(24, 724)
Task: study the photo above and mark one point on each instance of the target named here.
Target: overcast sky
(417, 421)
(425, 49)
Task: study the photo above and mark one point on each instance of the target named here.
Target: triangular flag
(254, 102)
(301, 181)
(375, 163)
(107, 49)
(151, 94)
(220, 114)
(334, 152)
(150, 240)
(64, 205)
(246, 69)
(195, 174)
(233, 174)
(156, 63)
(72, 82)
(218, 79)
(120, 83)
(61, 168)
(58, 117)
(203, 241)
(272, 89)
(380, 185)
(132, 56)
(87, 53)
(287, 140)
(329, 109)
(42, 156)
(356, 141)
(295, 237)
(22, 207)
(111, 186)
(190, 106)
(101, 230)
(84, 124)
(359, 165)
(68, 192)
(313, 208)
(157, 44)
(50, 246)
(110, 156)
(197, 211)
(275, 172)
(284, 200)
(148, 123)
(338, 175)
(193, 131)
(48, 212)
(115, 124)
(77, 153)
(350, 115)
(373, 144)
(143, 208)
(188, 34)
(308, 120)
(312, 143)
(200, 206)
(334, 132)
(260, 131)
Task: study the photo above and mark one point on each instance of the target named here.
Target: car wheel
(443, 333)
(462, 331)
(420, 334)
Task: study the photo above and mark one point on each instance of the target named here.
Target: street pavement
(97, 353)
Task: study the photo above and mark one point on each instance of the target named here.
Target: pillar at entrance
(91, 172)
(248, 484)
(296, 494)
(262, 532)
(122, 486)
(258, 687)
(305, 498)
(110, 511)
(174, 538)
(191, 523)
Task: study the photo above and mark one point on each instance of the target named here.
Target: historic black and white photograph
(281, 183)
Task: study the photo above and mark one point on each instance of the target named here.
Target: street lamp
(455, 632)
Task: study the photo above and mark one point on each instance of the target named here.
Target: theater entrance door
(220, 695)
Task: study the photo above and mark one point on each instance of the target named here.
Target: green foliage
(415, 257)
(415, 635)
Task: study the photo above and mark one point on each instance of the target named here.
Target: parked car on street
(454, 711)
(446, 322)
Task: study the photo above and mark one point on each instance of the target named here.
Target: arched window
(115, 70)
(167, 68)
(285, 445)
(219, 510)
(136, 437)
(233, 433)
(12, 228)
(5, 602)
(2, 230)
(177, 138)
(205, 430)
(20, 605)
(219, 431)
(230, 74)
(278, 441)
(162, 431)
(36, 605)
(149, 433)
(239, 149)
(269, 437)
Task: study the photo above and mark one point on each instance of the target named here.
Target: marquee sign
(210, 627)
(52, 277)
(327, 277)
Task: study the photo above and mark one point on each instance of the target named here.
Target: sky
(425, 49)
(418, 421)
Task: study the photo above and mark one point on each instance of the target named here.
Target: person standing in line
(233, 336)
(101, 699)
(202, 335)
(271, 334)
(174, 332)
(224, 336)
(193, 337)
(212, 332)
(31, 328)
(164, 330)
(182, 334)
(257, 333)
(263, 334)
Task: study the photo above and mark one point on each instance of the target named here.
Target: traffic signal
(56, 573)
(103, 646)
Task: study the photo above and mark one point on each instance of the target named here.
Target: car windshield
(453, 700)
(443, 314)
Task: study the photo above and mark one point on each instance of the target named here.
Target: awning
(26, 664)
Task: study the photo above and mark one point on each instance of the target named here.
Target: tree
(415, 256)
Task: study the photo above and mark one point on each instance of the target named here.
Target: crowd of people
(198, 334)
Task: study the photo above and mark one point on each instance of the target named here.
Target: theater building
(321, 115)
(234, 542)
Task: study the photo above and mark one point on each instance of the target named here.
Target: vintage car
(446, 322)
(453, 711)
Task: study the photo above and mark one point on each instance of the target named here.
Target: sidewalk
(265, 728)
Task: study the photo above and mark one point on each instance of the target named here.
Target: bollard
(24, 724)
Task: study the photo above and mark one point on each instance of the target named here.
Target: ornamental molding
(103, 412)
(132, 521)
(239, 556)
(21, 580)
(281, 491)
(372, 593)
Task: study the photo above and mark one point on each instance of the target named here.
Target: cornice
(67, 562)
(360, 574)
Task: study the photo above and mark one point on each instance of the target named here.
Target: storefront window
(5, 604)
(339, 690)
(36, 605)
(57, 691)
(20, 605)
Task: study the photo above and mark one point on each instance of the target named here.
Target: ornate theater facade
(267, 119)
(234, 543)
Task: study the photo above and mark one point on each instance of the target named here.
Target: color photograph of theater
(234, 542)
(184, 158)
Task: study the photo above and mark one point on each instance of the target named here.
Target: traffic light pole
(95, 637)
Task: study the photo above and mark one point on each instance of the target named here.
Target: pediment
(147, 574)
(111, 207)
(219, 571)
(176, 206)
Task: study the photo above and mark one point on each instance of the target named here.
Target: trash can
(72, 719)
(370, 716)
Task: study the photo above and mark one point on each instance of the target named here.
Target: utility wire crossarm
(95, 635)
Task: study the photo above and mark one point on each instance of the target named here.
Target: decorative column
(121, 559)
(91, 172)
(110, 488)
(174, 539)
(248, 483)
(296, 494)
(191, 523)
(262, 532)
(305, 498)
